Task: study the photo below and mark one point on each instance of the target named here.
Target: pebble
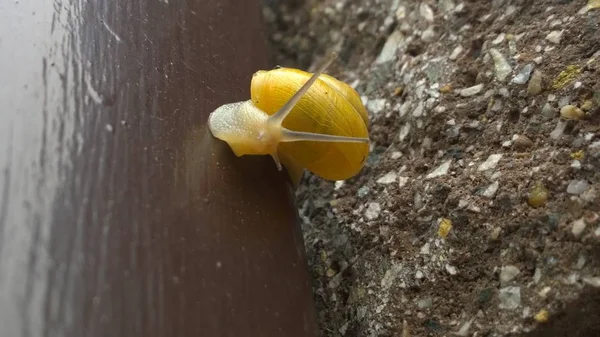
(474, 90)
(593, 281)
(587, 105)
(548, 111)
(428, 35)
(495, 234)
(418, 112)
(388, 52)
(497, 106)
(542, 316)
(590, 5)
(554, 36)
(544, 292)
(535, 84)
(576, 187)
(538, 195)
(510, 298)
(537, 275)
(507, 274)
(396, 155)
(390, 275)
(376, 105)
(440, 170)
(522, 142)
(456, 53)
(490, 192)
(451, 269)
(335, 281)
(565, 100)
(576, 165)
(523, 76)
(363, 191)
(571, 112)
(426, 12)
(464, 329)
(578, 227)
(558, 130)
(388, 178)
(591, 218)
(501, 66)
(499, 39)
(404, 132)
(402, 181)
(373, 211)
(425, 303)
(491, 162)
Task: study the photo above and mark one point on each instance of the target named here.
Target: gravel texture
(477, 213)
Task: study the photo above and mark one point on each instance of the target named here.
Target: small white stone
(456, 52)
(499, 39)
(558, 130)
(451, 269)
(554, 36)
(507, 274)
(491, 162)
(402, 181)
(404, 132)
(388, 52)
(426, 12)
(428, 35)
(501, 66)
(464, 329)
(109, 128)
(544, 292)
(425, 249)
(376, 105)
(578, 227)
(510, 298)
(373, 210)
(440, 170)
(576, 187)
(490, 192)
(388, 178)
(474, 90)
(593, 281)
(537, 275)
(390, 276)
(338, 184)
(396, 155)
(418, 112)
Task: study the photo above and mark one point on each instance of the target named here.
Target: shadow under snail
(302, 120)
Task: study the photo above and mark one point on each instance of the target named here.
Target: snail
(302, 120)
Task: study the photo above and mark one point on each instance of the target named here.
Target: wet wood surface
(120, 215)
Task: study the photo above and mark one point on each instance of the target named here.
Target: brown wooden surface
(120, 215)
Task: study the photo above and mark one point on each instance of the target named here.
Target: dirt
(381, 266)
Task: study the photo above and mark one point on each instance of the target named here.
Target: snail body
(302, 120)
